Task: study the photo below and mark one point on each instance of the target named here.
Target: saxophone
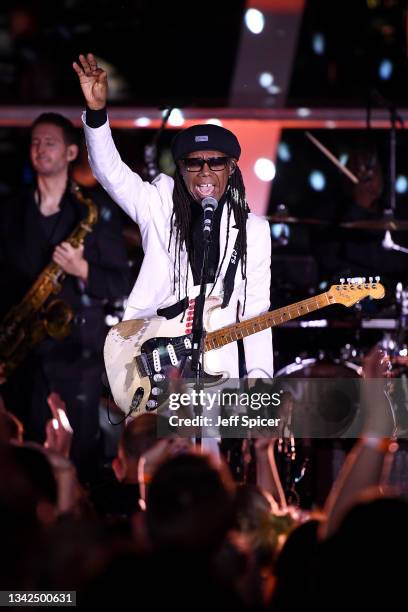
(30, 321)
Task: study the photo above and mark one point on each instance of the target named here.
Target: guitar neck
(237, 331)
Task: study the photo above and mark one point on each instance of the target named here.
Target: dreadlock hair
(180, 222)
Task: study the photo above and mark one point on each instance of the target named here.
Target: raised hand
(93, 80)
(377, 408)
(58, 429)
(376, 364)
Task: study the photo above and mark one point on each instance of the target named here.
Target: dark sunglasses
(195, 164)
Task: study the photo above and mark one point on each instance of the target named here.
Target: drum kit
(334, 349)
(321, 427)
(389, 323)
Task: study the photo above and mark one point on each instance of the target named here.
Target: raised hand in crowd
(267, 475)
(58, 429)
(58, 444)
(93, 80)
(378, 413)
(363, 469)
(376, 364)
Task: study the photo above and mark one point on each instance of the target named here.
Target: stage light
(317, 180)
(264, 169)
(214, 121)
(142, 121)
(401, 184)
(254, 20)
(385, 69)
(314, 323)
(111, 320)
(265, 79)
(280, 234)
(303, 112)
(279, 229)
(273, 89)
(284, 153)
(318, 43)
(176, 117)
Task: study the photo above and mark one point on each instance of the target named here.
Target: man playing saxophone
(36, 228)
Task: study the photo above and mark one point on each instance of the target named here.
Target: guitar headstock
(356, 289)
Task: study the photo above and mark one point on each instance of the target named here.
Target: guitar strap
(175, 309)
(231, 272)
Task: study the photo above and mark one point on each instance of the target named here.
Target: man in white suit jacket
(165, 210)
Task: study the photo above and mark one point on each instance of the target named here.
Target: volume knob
(151, 405)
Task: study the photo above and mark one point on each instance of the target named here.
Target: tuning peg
(342, 281)
(370, 279)
(363, 280)
(349, 280)
(377, 279)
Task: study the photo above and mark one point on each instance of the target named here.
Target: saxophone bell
(57, 318)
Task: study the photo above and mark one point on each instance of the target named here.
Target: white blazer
(150, 205)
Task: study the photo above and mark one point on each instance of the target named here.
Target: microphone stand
(198, 325)
(389, 211)
(150, 150)
(198, 332)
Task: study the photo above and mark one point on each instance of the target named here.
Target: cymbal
(286, 219)
(391, 225)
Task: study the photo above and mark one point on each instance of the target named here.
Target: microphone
(209, 205)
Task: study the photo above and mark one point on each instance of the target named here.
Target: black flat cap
(205, 137)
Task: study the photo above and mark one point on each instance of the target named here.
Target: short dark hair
(69, 131)
(139, 435)
(32, 462)
(190, 505)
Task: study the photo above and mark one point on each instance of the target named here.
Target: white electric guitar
(142, 356)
